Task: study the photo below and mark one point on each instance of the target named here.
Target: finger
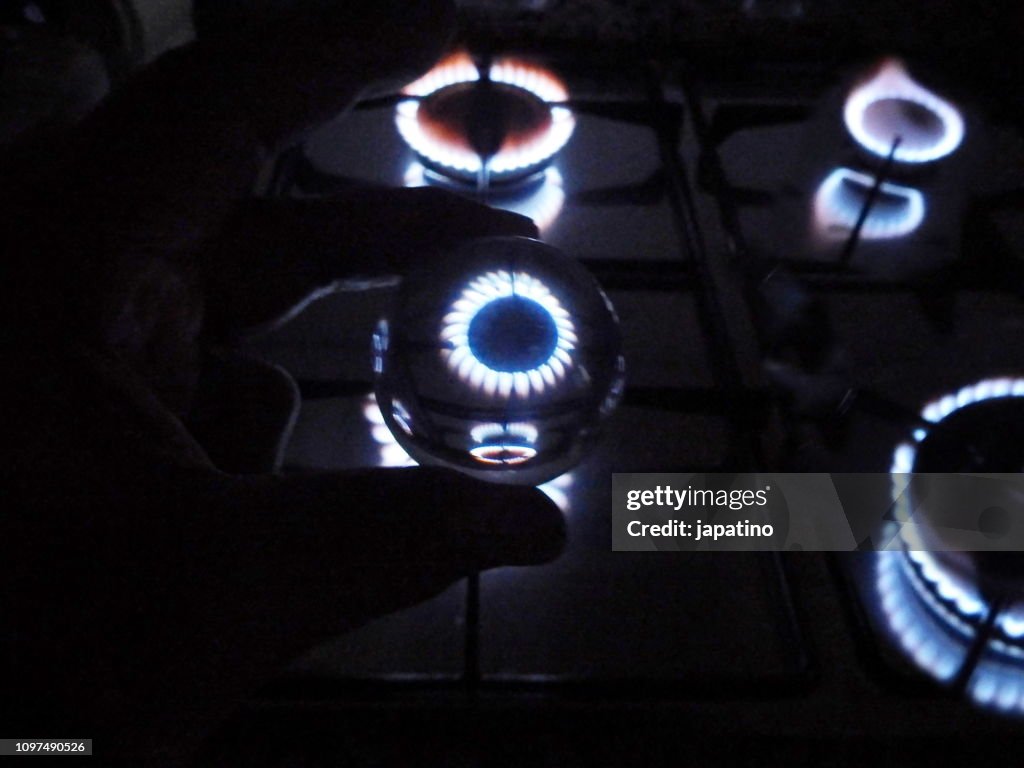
(352, 546)
(208, 584)
(420, 516)
(453, 216)
(320, 553)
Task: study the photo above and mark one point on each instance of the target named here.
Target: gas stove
(814, 270)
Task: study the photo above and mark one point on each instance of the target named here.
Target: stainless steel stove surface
(789, 301)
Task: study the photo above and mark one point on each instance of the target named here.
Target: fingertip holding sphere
(501, 360)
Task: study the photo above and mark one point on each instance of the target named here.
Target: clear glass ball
(501, 359)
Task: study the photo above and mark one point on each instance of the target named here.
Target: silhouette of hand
(151, 589)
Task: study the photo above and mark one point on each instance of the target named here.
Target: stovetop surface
(679, 201)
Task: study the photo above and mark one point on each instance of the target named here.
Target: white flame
(504, 444)
(529, 77)
(463, 361)
(523, 430)
(897, 211)
(457, 68)
(907, 614)
(937, 638)
(934, 634)
(875, 130)
(520, 74)
(938, 409)
(391, 453)
(545, 86)
(905, 454)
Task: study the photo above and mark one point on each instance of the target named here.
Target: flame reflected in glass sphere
(501, 360)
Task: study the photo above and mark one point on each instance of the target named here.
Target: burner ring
(934, 602)
(838, 203)
(890, 104)
(925, 618)
(526, 373)
(907, 455)
(501, 127)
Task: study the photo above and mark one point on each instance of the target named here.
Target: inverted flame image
(393, 455)
(891, 104)
(504, 444)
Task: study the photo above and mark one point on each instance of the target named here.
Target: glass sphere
(501, 360)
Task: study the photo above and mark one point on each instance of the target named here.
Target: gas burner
(978, 429)
(1008, 391)
(986, 436)
(506, 355)
(391, 453)
(485, 126)
(936, 617)
(507, 332)
(889, 104)
(939, 606)
(895, 212)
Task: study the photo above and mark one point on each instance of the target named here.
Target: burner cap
(513, 334)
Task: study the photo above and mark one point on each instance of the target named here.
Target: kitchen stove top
(758, 335)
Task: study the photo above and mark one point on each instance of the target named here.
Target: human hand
(153, 589)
